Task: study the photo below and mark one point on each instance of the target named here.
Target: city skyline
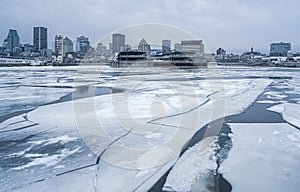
(234, 26)
(133, 43)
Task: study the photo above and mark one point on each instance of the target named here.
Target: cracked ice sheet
(115, 151)
(183, 123)
(155, 81)
(78, 181)
(244, 92)
(15, 123)
(23, 97)
(64, 120)
(264, 157)
(18, 89)
(139, 100)
(35, 149)
(40, 152)
(125, 180)
(136, 151)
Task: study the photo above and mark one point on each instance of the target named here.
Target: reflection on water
(91, 91)
(87, 91)
(12, 109)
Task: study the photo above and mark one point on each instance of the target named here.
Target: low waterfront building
(8, 61)
(279, 49)
(129, 58)
(136, 58)
(2, 50)
(191, 47)
(174, 58)
(252, 56)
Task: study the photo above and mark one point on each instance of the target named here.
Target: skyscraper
(166, 46)
(67, 46)
(62, 45)
(118, 42)
(58, 44)
(82, 45)
(177, 46)
(12, 42)
(144, 47)
(40, 38)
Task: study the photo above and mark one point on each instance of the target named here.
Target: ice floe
(267, 101)
(261, 160)
(290, 112)
(131, 148)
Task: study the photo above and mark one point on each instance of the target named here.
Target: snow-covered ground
(126, 128)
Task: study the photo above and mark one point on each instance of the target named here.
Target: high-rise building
(166, 46)
(110, 46)
(58, 45)
(12, 42)
(144, 47)
(279, 49)
(62, 45)
(40, 41)
(118, 42)
(192, 46)
(67, 46)
(82, 45)
(177, 46)
(101, 48)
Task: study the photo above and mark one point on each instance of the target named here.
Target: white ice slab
(222, 104)
(264, 157)
(277, 108)
(290, 112)
(77, 181)
(267, 102)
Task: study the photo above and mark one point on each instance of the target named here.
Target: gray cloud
(234, 25)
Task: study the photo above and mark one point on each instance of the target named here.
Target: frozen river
(106, 129)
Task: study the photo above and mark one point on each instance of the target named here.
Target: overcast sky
(235, 25)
